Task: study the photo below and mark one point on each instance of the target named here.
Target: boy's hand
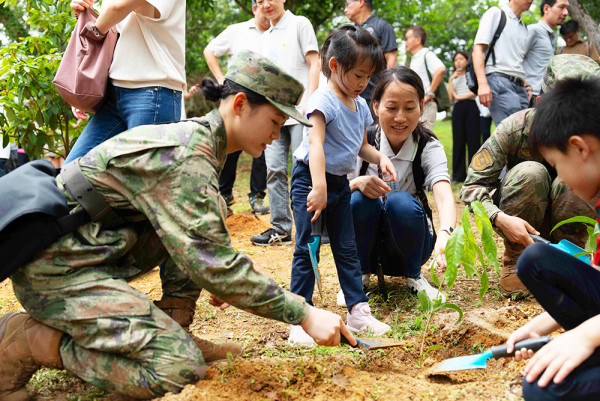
(558, 358)
(325, 327)
(387, 169)
(316, 201)
(519, 335)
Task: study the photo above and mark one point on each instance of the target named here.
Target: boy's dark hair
(568, 27)
(407, 76)
(419, 31)
(214, 92)
(350, 45)
(544, 2)
(571, 108)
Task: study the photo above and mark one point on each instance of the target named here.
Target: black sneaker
(229, 199)
(258, 206)
(271, 237)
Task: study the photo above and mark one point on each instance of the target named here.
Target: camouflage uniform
(164, 179)
(529, 190)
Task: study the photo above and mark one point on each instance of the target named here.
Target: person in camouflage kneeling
(529, 198)
(83, 317)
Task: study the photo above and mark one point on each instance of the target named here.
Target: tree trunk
(586, 22)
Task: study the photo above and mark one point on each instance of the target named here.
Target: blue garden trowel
(479, 361)
(565, 246)
(316, 230)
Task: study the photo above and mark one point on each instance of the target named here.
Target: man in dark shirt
(360, 12)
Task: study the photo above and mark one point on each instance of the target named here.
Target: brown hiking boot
(182, 311)
(25, 346)
(510, 284)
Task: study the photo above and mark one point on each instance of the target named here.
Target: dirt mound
(244, 226)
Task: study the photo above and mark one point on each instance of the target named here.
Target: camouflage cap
(264, 77)
(564, 66)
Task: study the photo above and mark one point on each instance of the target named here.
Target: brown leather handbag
(82, 76)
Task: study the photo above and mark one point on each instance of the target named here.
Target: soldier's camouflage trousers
(115, 337)
(527, 191)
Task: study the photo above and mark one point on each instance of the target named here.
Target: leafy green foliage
(592, 230)
(32, 113)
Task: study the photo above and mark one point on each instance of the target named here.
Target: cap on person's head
(564, 66)
(261, 75)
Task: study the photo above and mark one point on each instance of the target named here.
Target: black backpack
(470, 71)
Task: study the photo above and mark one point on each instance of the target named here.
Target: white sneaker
(341, 301)
(299, 337)
(360, 319)
(421, 284)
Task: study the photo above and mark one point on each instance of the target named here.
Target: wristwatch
(91, 27)
(448, 229)
(430, 94)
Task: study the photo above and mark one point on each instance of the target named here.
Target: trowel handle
(537, 238)
(344, 340)
(316, 227)
(533, 344)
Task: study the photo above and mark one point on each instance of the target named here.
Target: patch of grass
(46, 381)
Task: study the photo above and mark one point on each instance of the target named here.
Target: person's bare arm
(436, 80)
(484, 92)
(312, 59)
(444, 200)
(213, 65)
(391, 59)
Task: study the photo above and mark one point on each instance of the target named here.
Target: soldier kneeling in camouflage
(83, 317)
(529, 198)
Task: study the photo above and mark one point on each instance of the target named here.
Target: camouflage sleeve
(187, 212)
(485, 168)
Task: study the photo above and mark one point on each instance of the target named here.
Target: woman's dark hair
(571, 108)
(462, 53)
(214, 92)
(409, 77)
(350, 45)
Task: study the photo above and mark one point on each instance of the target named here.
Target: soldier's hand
(325, 327)
(515, 228)
(216, 301)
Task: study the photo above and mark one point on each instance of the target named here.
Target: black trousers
(258, 175)
(466, 130)
(569, 290)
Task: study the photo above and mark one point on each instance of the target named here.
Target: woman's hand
(80, 5)
(370, 185)
(559, 357)
(80, 115)
(325, 327)
(316, 201)
(439, 248)
(216, 301)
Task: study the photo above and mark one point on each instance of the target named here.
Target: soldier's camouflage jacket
(169, 173)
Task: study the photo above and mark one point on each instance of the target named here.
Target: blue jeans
(276, 157)
(507, 97)
(125, 109)
(569, 290)
(403, 224)
(337, 215)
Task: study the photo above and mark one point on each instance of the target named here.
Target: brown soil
(271, 370)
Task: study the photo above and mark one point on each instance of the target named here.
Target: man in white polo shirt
(502, 79)
(425, 63)
(541, 43)
(292, 44)
(235, 38)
